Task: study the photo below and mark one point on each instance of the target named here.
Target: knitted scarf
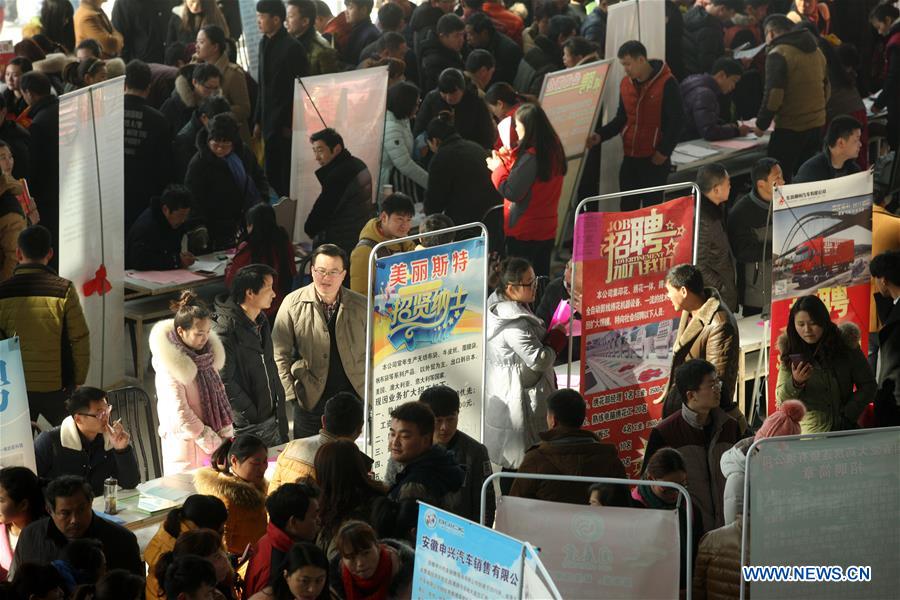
(373, 588)
(216, 408)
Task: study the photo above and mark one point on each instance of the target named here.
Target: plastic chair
(132, 405)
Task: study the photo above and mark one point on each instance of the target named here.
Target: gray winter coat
(733, 464)
(519, 379)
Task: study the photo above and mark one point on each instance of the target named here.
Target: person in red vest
(650, 118)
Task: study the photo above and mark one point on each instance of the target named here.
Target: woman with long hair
(21, 502)
(823, 369)
(194, 412)
(237, 477)
(348, 492)
(530, 177)
(58, 23)
(212, 47)
(190, 17)
(520, 356)
(398, 167)
(16, 107)
(199, 511)
(303, 576)
(266, 242)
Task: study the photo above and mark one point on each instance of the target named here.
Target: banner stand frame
(605, 198)
(682, 493)
(370, 304)
(548, 580)
(782, 438)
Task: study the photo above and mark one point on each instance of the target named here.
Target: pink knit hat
(784, 421)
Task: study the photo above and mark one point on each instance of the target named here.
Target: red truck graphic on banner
(819, 259)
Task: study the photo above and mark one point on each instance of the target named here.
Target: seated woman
(206, 546)
(226, 181)
(197, 512)
(267, 243)
(822, 369)
(237, 476)
(367, 567)
(194, 412)
(304, 574)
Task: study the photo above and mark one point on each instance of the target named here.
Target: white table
(736, 160)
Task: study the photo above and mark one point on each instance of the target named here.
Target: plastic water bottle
(109, 496)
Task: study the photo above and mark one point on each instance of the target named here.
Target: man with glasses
(87, 444)
(205, 81)
(702, 433)
(319, 339)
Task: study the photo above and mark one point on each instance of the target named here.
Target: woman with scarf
(237, 477)
(366, 569)
(226, 181)
(194, 413)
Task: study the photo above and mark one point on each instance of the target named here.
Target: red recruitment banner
(821, 245)
(629, 324)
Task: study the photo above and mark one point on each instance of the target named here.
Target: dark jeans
(537, 252)
(307, 423)
(793, 148)
(278, 165)
(636, 173)
(50, 404)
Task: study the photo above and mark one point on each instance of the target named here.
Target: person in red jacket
(530, 177)
(650, 118)
(293, 517)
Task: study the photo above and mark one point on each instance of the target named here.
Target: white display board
(353, 104)
(16, 442)
(91, 217)
(631, 20)
(251, 36)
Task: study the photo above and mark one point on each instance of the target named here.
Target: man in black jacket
(43, 174)
(69, 503)
(885, 269)
(345, 203)
(250, 374)
(842, 145)
(148, 147)
(468, 452)
(703, 38)
(184, 146)
(750, 235)
(459, 182)
(441, 50)
(154, 241)
(282, 60)
(546, 56)
(144, 25)
(458, 97)
(86, 444)
(481, 33)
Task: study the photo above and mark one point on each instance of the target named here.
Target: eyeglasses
(98, 415)
(323, 273)
(530, 284)
(716, 385)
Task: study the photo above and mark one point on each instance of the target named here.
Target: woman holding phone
(822, 368)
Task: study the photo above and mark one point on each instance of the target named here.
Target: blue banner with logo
(456, 558)
(16, 442)
(428, 329)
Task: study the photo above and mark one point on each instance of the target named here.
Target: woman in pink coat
(194, 413)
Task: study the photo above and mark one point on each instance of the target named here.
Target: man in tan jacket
(320, 340)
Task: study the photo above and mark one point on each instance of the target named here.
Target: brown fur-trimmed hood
(234, 489)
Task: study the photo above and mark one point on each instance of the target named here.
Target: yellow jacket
(43, 309)
(297, 461)
(246, 504)
(359, 258)
(160, 543)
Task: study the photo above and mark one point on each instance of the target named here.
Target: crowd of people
(208, 150)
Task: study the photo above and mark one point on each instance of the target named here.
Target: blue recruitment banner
(16, 442)
(428, 329)
(456, 558)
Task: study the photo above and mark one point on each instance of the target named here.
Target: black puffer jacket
(345, 204)
(435, 57)
(218, 201)
(702, 42)
(250, 375)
